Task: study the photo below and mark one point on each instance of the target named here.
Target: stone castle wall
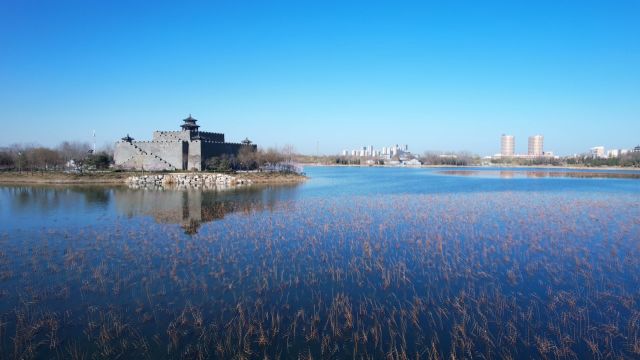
(171, 155)
(171, 136)
(171, 150)
(150, 155)
(149, 162)
(123, 152)
(212, 149)
(186, 136)
(195, 159)
(210, 136)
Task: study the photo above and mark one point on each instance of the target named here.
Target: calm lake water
(356, 262)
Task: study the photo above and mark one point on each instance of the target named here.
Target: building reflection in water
(511, 174)
(507, 174)
(192, 207)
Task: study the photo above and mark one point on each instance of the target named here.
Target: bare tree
(462, 158)
(107, 148)
(271, 156)
(288, 151)
(7, 159)
(73, 150)
(42, 158)
(247, 158)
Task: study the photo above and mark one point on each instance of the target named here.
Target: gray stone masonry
(195, 180)
(174, 150)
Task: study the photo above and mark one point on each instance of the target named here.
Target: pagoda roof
(189, 123)
(190, 119)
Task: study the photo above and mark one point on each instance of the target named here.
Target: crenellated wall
(172, 155)
(210, 136)
(187, 136)
(171, 135)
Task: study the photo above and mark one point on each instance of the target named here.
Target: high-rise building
(394, 150)
(507, 145)
(536, 144)
(597, 152)
(613, 153)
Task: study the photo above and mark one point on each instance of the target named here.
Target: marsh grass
(430, 276)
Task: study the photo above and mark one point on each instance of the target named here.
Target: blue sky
(442, 75)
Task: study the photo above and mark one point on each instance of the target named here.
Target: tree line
(248, 159)
(428, 158)
(450, 159)
(67, 155)
(631, 159)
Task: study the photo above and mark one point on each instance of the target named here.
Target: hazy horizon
(325, 76)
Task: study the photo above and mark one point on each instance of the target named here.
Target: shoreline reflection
(511, 174)
(190, 208)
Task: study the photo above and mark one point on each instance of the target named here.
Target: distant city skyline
(325, 76)
(387, 152)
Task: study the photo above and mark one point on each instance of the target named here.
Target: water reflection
(46, 199)
(189, 208)
(192, 207)
(341, 271)
(507, 174)
(510, 174)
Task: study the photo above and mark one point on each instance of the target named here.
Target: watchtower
(190, 124)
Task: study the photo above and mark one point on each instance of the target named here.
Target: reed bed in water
(504, 275)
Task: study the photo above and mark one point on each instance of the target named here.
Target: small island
(187, 157)
(124, 177)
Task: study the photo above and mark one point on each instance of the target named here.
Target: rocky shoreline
(195, 180)
(204, 179)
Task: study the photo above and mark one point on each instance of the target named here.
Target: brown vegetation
(60, 177)
(67, 155)
(429, 276)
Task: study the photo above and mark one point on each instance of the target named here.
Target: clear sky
(437, 75)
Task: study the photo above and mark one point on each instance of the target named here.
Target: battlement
(210, 136)
(239, 144)
(171, 135)
(211, 133)
(223, 143)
